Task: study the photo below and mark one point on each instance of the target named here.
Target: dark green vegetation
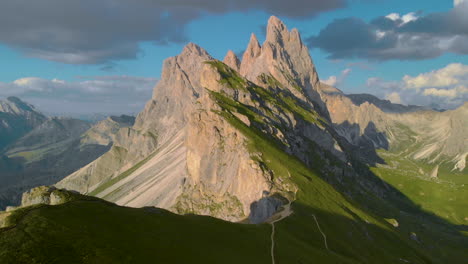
(445, 195)
(94, 231)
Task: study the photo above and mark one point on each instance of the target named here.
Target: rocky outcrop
(42, 195)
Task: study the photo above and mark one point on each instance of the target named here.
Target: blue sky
(218, 30)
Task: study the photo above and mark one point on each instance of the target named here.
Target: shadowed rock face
(441, 136)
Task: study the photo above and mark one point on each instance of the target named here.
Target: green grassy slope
(445, 196)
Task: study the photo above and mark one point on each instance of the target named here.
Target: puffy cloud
(336, 81)
(332, 80)
(459, 91)
(451, 75)
(101, 94)
(397, 37)
(445, 88)
(394, 97)
(94, 32)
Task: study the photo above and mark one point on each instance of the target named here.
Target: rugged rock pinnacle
(232, 61)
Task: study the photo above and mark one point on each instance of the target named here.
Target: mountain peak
(253, 43)
(284, 56)
(232, 61)
(276, 29)
(251, 53)
(15, 105)
(278, 33)
(194, 49)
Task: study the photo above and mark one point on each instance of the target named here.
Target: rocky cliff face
(284, 56)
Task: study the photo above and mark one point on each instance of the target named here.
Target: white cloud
(101, 94)
(452, 93)
(335, 81)
(402, 19)
(393, 16)
(332, 81)
(445, 88)
(410, 36)
(394, 97)
(440, 92)
(451, 75)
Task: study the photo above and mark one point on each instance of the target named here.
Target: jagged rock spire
(251, 53)
(232, 61)
(284, 56)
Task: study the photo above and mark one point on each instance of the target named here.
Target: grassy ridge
(100, 232)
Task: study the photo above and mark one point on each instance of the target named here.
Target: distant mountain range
(38, 150)
(314, 175)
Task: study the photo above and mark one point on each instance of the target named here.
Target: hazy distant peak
(14, 105)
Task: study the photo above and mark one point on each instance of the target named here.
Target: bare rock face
(250, 55)
(286, 58)
(199, 161)
(232, 61)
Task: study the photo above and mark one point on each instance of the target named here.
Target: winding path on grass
(285, 212)
(323, 234)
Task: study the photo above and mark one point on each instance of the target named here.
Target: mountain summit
(284, 56)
